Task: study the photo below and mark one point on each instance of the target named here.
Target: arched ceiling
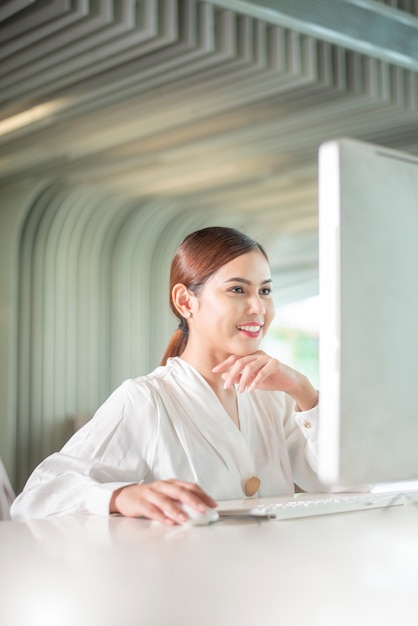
(216, 107)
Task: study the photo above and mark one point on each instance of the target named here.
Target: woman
(187, 432)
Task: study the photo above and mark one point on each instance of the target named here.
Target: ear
(182, 299)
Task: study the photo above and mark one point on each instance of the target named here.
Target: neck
(227, 397)
(204, 364)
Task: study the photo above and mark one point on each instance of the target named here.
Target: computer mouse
(198, 518)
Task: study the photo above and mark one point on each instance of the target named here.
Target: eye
(266, 291)
(237, 289)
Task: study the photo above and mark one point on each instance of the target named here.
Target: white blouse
(171, 424)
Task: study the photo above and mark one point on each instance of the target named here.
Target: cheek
(210, 311)
(270, 313)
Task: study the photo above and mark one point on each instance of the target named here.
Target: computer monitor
(368, 343)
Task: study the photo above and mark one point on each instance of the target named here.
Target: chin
(247, 350)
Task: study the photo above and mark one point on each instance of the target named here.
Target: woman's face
(235, 308)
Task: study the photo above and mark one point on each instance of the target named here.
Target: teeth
(250, 329)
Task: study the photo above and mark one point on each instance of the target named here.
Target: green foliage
(296, 348)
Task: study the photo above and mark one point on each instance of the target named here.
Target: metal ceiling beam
(365, 26)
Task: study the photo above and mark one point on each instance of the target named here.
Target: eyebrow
(245, 281)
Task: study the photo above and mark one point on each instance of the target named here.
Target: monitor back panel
(368, 275)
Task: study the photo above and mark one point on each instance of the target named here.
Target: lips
(250, 328)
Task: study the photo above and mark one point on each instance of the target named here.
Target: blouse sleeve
(111, 451)
(301, 431)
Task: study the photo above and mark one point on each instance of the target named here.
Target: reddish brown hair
(197, 258)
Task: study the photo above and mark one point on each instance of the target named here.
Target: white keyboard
(305, 505)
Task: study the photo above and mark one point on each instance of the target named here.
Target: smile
(253, 328)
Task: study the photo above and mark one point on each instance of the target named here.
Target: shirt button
(307, 424)
(252, 485)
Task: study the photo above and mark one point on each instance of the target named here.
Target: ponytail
(177, 343)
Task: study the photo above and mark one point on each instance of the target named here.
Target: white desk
(350, 569)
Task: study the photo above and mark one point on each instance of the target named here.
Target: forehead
(252, 266)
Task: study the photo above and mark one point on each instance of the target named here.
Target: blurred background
(125, 125)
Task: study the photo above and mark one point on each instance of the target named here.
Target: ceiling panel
(208, 106)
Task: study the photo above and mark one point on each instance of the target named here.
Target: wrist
(113, 507)
(306, 397)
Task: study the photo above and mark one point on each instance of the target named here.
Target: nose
(256, 305)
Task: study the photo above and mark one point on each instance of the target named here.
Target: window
(294, 337)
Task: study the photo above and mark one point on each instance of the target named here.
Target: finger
(225, 365)
(161, 501)
(248, 369)
(264, 373)
(158, 514)
(230, 379)
(153, 503)
(234, 375)
(193, 494)
(252, 371)
(169, 495)
(136, 501)
(172, 506)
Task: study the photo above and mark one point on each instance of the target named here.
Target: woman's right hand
(160, 501)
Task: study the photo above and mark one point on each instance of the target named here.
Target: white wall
(14, 203)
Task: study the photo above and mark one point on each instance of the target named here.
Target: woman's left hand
(261, 371)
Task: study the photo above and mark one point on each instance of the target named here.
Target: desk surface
(353, 568)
